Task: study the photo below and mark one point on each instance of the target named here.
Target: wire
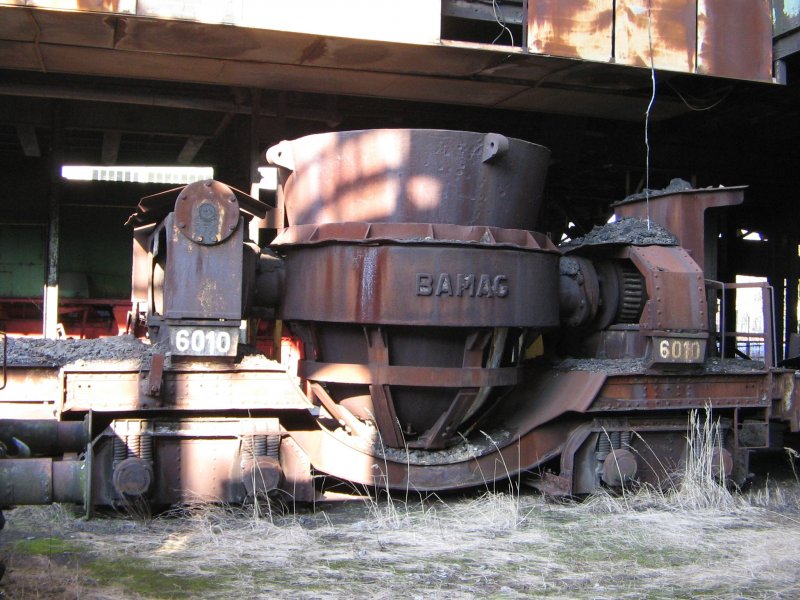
(502, 24)
(647, 113)
(701, 108)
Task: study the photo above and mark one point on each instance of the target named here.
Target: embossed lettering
(424, 284)
(484, 286)
(470, 285)
(443, 286)
(500, 286)
(465, 283)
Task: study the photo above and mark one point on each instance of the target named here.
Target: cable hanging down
(649, 108)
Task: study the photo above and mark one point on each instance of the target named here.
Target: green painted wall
(22, 261)
(95, 242)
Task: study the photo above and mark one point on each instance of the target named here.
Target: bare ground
(639, 545)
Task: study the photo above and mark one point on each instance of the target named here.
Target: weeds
(690, 539)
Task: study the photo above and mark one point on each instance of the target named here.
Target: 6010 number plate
(204, 341)
(679, 350)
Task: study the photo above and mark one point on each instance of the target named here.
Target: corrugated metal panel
(668, 31)
(735, 39)
(571, 28)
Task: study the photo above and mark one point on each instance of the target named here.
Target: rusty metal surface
(198, 460)
(329, 455)
(189, 470)
(683, 214)
(676, 291)
(184, 390)
(658, 446)
(409, 285)
(156, 376)
(41, 481)
(413, 233)
(154, 208)
(571, 28)
(627, 393)
(450, 72)
(664, 31)
(422, 376)
(207, 213)
(734, 38)
(202, 282)
(298, 481)
(411, 176)
(547, 395)
(531, 413)
(30, 393)
(46, 436)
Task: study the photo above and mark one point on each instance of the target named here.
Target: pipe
(46, 436)
(41, 481)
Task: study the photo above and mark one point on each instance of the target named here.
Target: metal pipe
(41, 481)
(46, 436)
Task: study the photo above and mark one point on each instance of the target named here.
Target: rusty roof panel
(669, 29)
(18, 56)
(249, 44)
(17, 25)
(571, 28)
(66, 27)
(735, 39)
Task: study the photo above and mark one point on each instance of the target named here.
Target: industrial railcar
(417, 333)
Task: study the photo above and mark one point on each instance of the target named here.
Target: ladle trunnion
(420, 335)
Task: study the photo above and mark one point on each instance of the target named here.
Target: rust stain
(665, 32)
(571, 28)
(315, 50)
(119, 25)
(734, 39)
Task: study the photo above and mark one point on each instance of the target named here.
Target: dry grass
(695, 539)
(495, 545)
